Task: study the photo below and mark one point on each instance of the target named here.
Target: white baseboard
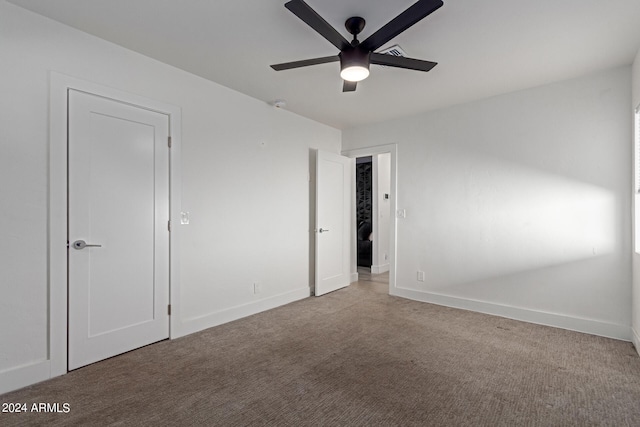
(354, 277)
(589, 326)
(22, 376)
(635, 339)
(378, 269)
(196, 324)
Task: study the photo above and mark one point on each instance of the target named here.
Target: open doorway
(373, 217)
(364, 212)
(391, 247)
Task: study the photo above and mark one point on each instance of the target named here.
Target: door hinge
(169, 225)
(169, 309)
(169, 141)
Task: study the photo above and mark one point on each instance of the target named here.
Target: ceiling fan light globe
(354, 73)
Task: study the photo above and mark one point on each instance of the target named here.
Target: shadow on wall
(492, 218)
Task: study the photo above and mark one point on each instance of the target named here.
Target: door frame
(391, 149)
(57, 215)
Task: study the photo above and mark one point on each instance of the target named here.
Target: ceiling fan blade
(406, 19)
(315, 21)
(401, 62)
(305, 63)
(348, 86)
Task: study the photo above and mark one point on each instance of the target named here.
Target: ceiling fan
(355, 57)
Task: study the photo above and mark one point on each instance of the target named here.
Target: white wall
(381, 185)
(245, 169)
(635, 323)
(519, 205)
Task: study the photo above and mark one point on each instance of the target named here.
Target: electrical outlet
(420, 276)
(257, 287)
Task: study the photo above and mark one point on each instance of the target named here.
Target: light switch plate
(184, 218)
(401, 213)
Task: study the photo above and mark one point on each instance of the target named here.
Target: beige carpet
(356, 357)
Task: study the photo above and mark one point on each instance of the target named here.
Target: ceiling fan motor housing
(355, 58)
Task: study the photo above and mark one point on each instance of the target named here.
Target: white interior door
(118, 198)
(333, 221)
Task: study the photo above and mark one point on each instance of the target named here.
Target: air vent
(394, 50)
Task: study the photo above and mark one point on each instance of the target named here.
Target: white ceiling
(483, 48)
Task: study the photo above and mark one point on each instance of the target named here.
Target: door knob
(323, 230)
(81, 244)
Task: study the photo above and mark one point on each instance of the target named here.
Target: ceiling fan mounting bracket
(355, 25)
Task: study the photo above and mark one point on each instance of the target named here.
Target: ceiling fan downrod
(355, 25)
